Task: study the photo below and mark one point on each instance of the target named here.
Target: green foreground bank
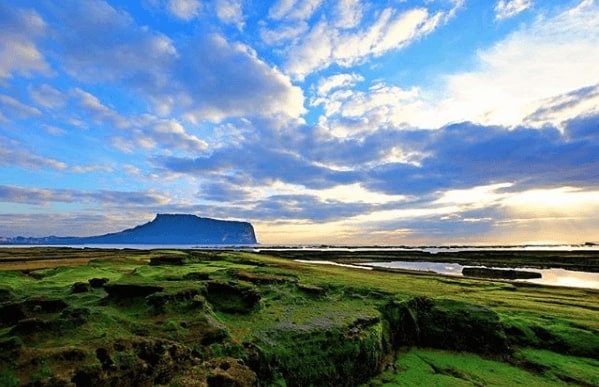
(228, 318)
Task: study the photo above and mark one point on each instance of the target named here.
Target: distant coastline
(165, 229)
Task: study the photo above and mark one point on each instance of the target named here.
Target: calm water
(555, 277)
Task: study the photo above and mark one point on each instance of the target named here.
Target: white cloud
(13, 154)
(294, 9)
(351, 113)
(553, 202)
(556, 110)
(349, 13)
(55, 131)
(47, 96)
(325, 85)
(326, 44)
(100, 112)
(19, 53)
(230, 12)
(285, 33)
(534, 76)
(184, 9)
(314, 51)
(246, 84)
(476, 197)
(170, 134)
(508, 8)
(167, 136)
(17, 108)
(99, 43)
(551, 57)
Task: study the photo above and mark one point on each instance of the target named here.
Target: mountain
(165, 229)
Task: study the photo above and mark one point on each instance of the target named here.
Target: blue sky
(350, 122)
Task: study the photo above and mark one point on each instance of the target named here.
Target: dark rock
(169, 260)
(232, 298)
(191, 297)
(6, 295)
(311, 289)
(483, 272)
(131, 290)
(104, 356)
(72, 317)
(81, 287)
(98, 282)
(196, 276)
(87, 376)
(445, 324)
(45, 305)
(71, 355)
(258, 278)
(365, 322)
(214, 334)
(229, 372)
(11, 313)
(29, 326)
(10, 348)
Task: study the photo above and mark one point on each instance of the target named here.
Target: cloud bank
(320, 122)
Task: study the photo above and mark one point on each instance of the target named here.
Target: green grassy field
(196, 318)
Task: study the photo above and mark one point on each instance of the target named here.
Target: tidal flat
(127, 317)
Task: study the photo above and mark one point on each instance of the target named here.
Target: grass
(557, 367)
(291, 323)
(429, 367)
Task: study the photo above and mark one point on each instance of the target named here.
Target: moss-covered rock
(122, 290)
(322, 356)
(229, 372)
(81, 287)
(445, 324)
(232, 297)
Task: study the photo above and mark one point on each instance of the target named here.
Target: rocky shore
(224, 318)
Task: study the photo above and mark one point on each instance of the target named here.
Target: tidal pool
(555, 277)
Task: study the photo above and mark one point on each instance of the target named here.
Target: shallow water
(554, 277)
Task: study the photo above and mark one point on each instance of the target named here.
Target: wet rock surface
(483, 272)
(98, 282)
(81, 287)
(117, 290)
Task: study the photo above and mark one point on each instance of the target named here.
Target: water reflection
(555, 277)
(436, 267)
(320, 262)
(561, 277)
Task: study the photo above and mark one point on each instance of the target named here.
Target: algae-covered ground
(125, 317)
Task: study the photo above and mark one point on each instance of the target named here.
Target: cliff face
(165, 229)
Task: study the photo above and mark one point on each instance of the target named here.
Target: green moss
(557, 334)
(426, 367)
(554, 366)
(325, 355)
(9, 379)
(305, 324)
(43, 373)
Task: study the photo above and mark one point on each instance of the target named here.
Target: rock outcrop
(164, 229)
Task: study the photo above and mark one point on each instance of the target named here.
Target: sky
(392, 122)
